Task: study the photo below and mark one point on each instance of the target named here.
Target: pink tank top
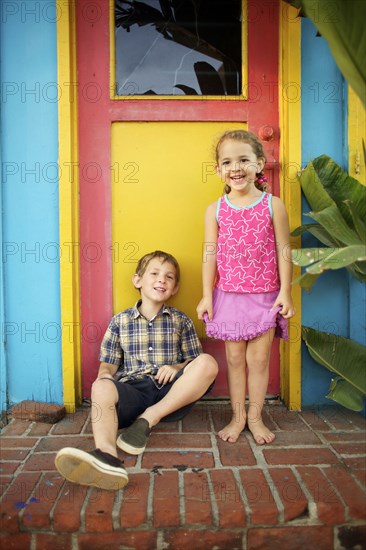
(246, 248)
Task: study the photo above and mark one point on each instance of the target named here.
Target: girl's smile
(237, 179)
(238, 165)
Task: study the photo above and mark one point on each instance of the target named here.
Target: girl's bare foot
(232, 431)
(260, 432)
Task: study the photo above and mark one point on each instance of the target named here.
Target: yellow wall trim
(68, 204)
(356, 133)
(290, 162)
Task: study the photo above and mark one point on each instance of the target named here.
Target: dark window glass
(178, 47)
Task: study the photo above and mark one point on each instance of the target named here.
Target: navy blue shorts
(135, 396)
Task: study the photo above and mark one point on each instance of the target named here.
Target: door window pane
(178, 47)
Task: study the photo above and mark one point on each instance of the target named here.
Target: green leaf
(313, 189)
(331, 219)
(358, 224)
(323, 259)
(306, 281)
(307, 256)
(361, 267)
(338, 258)
(338, 354)
(318, 231)
(345, 394)
(340, 222)
(341, 187)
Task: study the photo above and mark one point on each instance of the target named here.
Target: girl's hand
(205, 306)
(288, 309)
(166, 373)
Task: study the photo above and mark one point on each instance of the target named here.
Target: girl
(246, 276)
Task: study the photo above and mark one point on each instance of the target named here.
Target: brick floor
(190, 490)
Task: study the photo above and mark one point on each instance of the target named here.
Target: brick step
(276, 538)
(179, 497)
(190, 489)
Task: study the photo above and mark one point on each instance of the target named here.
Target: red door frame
(97, 111)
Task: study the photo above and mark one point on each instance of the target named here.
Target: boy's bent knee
(208, 363)
(104, 388)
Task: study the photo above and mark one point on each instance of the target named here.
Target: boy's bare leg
(235, 356)
(197, 377)
(258, 356)
(104, 416)
(96, 468)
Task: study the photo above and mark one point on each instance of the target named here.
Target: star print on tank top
(246, 247)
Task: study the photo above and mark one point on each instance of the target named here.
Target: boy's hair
(252, 140)
(164, 256)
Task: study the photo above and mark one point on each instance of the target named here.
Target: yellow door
(163, 178)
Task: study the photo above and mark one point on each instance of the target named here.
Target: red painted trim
(263, 55)
(96, 113)
(94, 173)
(179, 110)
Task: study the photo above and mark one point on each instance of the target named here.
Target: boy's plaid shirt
(140, 347)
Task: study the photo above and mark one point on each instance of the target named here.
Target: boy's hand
(166, 374)
(205, 306)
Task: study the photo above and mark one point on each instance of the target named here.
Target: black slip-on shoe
(96, 468)
(134, 438)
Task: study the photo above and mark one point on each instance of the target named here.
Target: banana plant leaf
(340, 187)
(358, 224)
(342, 25)
(339, 206)
(313, 189)
(347, 359)
(345, 394)
(306, 280)
(321, 259)
(319, 232)
(308, 256)
(360, 268)
(333, 222)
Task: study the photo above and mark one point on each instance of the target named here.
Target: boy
(151, 368)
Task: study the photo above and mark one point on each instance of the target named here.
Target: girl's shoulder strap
(218, 208)
(269, 199)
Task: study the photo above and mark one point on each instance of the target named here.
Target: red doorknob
(266, 133)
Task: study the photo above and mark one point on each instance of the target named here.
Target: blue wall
(324, 131)
(31, 313)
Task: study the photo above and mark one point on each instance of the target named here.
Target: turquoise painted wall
(336, 301)
(29, 127)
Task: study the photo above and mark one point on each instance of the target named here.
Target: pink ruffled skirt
(239, 316)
